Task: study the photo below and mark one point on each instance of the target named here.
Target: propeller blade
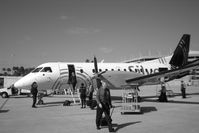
(96, 72)
(95, 65)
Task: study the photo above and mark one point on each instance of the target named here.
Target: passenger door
(72, 74)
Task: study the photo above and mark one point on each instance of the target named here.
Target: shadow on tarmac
(45, 106)
(4, 103)
(192, 94)
(148, 109)
(57, 102)
(183, 102)
(1, 107)
(20, 96)
(172, 101)
(4, 111)
(50, 104)
(120, 126)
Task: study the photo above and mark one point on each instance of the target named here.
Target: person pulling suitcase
(103, 99)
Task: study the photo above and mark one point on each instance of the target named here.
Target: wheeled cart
(130, 100)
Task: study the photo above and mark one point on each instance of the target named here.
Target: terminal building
(7, 81)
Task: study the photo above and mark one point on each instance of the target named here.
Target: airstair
(75, 96)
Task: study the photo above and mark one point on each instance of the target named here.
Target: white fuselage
(51, 76)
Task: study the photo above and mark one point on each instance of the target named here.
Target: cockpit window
(46, 69)
(37, 70)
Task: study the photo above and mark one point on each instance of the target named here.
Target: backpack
(67, 103)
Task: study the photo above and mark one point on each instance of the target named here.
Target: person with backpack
(82, 91)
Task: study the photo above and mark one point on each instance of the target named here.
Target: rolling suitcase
(103, 119)
(67, 103)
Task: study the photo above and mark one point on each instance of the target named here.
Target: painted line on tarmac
(4, 103)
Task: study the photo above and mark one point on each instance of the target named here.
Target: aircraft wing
(168, 75)
(117, 79)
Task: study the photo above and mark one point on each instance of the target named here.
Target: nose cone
(18, 84)
(25, 82)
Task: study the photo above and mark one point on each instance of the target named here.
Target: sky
(33, 32)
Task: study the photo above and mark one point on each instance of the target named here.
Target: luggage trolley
(130, 100)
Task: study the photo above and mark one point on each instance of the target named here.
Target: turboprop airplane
(52, 75)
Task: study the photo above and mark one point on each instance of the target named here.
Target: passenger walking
(82, 91)
(103, 99)
(183, 89)
(73, 81)
(34, 92)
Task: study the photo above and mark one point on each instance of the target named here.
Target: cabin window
(93, 70)
(147, 71)
(151, 70)
(100, 70)
(112, 69)
(125, 70)
(106, 69)
(37, 69)
(81, 70)
(118, 69)
(141, 71)
(46, 69)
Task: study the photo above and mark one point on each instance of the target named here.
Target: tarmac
(176, 116)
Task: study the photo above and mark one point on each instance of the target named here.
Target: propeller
(96, 72)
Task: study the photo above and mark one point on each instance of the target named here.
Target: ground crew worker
(103, 99)
(34, 92)
(183, 89)
(82, 91)
(163, 96)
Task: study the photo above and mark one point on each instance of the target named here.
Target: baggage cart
(130, 100)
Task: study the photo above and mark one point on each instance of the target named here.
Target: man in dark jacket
(34, 92)
(163, 95)
(103, 99)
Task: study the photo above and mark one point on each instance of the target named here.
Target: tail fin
(180, 55)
